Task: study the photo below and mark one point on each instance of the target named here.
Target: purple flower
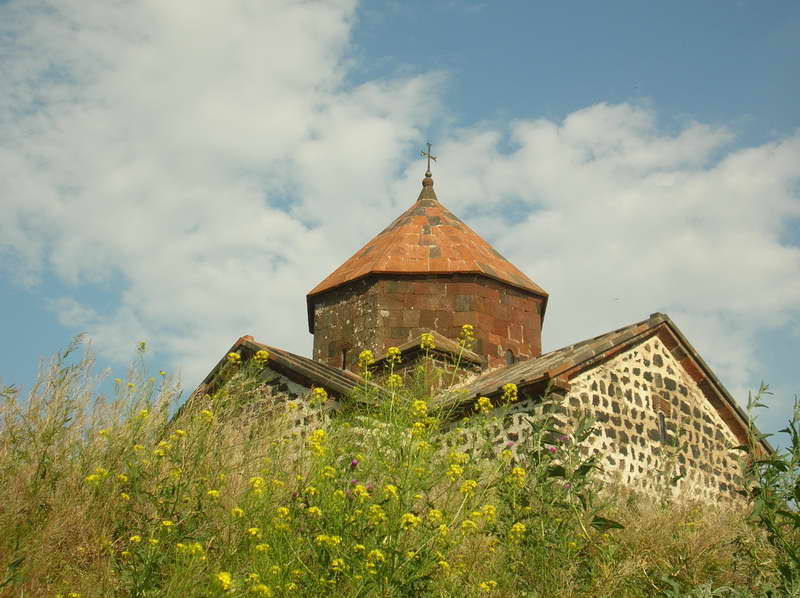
(567, 486)
(353, 482)
(509, 444)
(353, 463)
(552, 450)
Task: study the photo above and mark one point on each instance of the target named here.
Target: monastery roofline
(559, 366)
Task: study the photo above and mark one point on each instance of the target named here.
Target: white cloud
(624, 220)
(215, 160)
(164, 143)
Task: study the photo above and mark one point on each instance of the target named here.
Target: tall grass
(117, 498)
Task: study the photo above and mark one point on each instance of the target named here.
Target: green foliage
(386, 499)
(773, 487)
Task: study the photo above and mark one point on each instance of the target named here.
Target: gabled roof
(561, 365)
(299, 369)
(442, 345)
(427, 239)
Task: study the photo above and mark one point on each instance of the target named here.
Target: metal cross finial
(430, 157)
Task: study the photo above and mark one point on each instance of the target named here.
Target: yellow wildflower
(206, 415)
(234, 358)
(237, 512)
(483, 405)
(366, 358)
(417, 428)
(318, 396)
(444, 566)
(224, 580)
(256, 483)
(153, 541)
(517, 531)
(376, 556)
(468, 487)
(517, 476)
(394, 381)
(434, 515)
(166, 524)
(509, 393)
(409, 521)
(262, 356)
(261, 547)
(489, 512)
(254, 532)
(314, 511)
(261, 590)
(393, 355)
(310, 491)
(390, 490)
(468, 525)
(454, 472)
(376, 514)
(316, 442)
(467, 336)
(426, 341)
(338, 565)
(124, 496)
(360, 491)
(283, 512)
(458, 458)
(278, 483)
(419, 408)
(213, 493)
(135, 539)
(328, 541)
(487, 586)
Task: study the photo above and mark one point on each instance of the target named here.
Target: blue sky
(185, 174)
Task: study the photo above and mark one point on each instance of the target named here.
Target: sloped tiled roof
(427, 239)
(442, 345)
(552, 364)
(562, 364)
(295, 367)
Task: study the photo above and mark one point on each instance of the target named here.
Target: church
(656, 403)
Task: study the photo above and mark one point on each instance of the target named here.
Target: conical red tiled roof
(428, 239)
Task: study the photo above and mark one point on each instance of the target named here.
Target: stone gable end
(653, 418)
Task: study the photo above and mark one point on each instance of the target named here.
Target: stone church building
(651, 394)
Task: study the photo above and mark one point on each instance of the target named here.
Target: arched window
(510, 359)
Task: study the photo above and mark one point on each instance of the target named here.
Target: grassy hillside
(110, 498)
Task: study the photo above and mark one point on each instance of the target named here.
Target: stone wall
(377, 313)
(652, 424)
(653, 417)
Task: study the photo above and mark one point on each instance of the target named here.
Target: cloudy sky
(184, 172)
